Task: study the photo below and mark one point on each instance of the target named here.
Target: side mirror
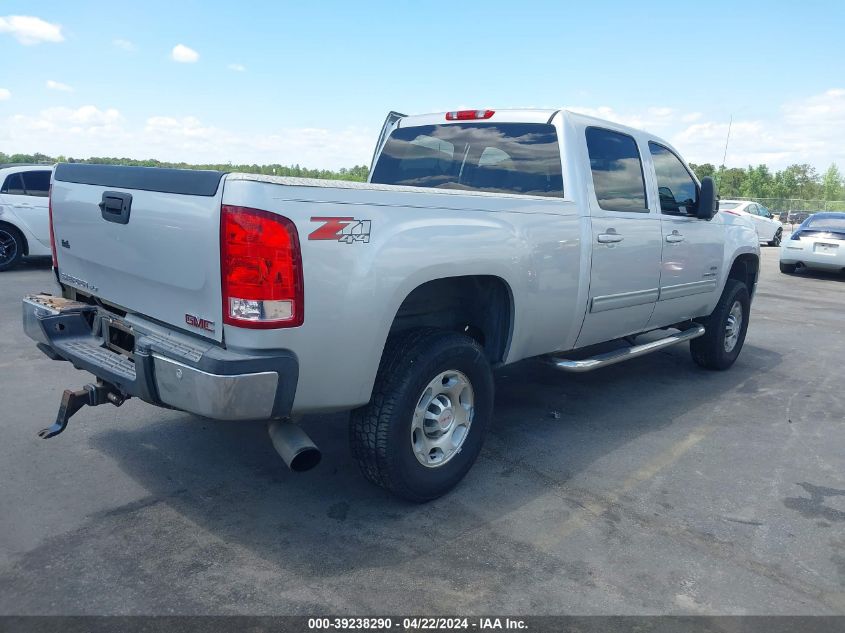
(707, 202)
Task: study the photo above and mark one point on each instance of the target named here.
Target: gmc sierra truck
(482, 238)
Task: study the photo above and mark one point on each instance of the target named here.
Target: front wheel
(425, 423)
(725, 329)
(775, 241)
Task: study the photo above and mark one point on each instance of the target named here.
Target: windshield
(730, 205)
(519, 158)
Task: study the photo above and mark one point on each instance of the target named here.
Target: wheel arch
(746, 268)
(481, 306)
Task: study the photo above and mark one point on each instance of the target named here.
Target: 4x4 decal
(345, 230)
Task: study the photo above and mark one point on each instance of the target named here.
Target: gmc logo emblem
(203, 324)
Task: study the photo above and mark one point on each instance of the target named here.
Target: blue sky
(310, 83)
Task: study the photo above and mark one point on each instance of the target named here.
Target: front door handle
(23, 205)
(674, 237)
(609, 238)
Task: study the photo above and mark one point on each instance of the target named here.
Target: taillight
(731, 212)
(261, 269)
(469, 115)
(52, 235)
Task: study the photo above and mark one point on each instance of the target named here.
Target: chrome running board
(617, 356)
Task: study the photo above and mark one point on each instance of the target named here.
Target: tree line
(801, 182)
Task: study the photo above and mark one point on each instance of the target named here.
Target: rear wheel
(775, 241)
(787, 269)
(11, 247)
(725, 329)
(424, 426)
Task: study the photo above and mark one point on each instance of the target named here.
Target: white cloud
(93, 131)
(807, 130)
(184, 55)
(125, 45)
(811, 130)
(238, 68)
(57, 85)
(29, 30)
(5, 94)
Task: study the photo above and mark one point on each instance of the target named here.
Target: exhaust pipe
(293, 445)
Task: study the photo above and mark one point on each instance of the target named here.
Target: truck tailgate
(145, 239)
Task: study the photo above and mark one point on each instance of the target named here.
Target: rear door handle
(674, 237)
(23, 205)
(609, 238)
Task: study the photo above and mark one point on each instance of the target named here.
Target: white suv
(768, 228)
(24, 212)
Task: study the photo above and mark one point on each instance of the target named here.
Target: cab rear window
(522, 158)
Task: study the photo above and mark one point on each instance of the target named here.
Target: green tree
(832, 183)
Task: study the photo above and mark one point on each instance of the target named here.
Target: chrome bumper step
(617, 356)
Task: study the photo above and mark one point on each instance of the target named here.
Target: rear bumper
(806, 254)
(175, 371)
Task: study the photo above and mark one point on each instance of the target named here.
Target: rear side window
(37, 183)
(678, 191)
(521, 158)
(13, 185)
(617, 170)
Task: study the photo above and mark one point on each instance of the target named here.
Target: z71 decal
(345, 230)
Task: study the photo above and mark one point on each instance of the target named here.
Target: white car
(768, 228)
(24, 212)
(818, 243)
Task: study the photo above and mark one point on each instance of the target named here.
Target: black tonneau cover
(193, 182)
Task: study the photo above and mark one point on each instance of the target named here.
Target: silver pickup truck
(482, 238)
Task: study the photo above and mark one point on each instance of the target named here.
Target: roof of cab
(512, 115)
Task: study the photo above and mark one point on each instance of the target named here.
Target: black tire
(11, 247)
(380, 432)
(777, 239)
(787, 269)
(709, 351)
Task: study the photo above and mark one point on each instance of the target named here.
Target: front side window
(13, 185)
(677, 189)
(521, 158)
(617, 170)
(37, 183)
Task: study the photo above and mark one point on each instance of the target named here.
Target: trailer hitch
(72, 401)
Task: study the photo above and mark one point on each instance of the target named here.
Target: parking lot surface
(652, 486)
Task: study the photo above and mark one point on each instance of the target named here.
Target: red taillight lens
(261, 269)
(731, 212)
(469, 115)
(52, 234)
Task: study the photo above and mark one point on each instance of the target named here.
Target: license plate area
(119, 337)
(825, 249)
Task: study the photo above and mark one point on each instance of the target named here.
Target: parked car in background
(768, 228)
(783, 216)
(24, 212)
(818, 243)
(797, 217)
